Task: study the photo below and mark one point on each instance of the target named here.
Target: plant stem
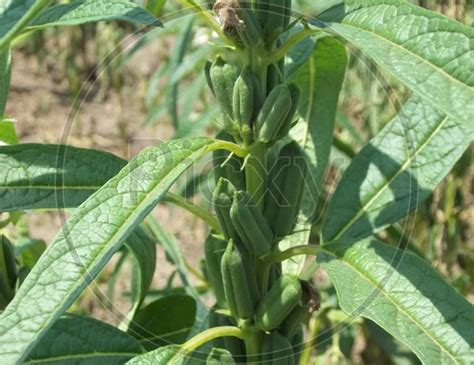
(252, 348)
(229, 146)
(309, 345)
(292, 41)
(209, 335)
(308, 250)
(181, 202)
(32, 12)
(256, 173)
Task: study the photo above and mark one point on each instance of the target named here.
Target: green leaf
(404, 295)
(74, 339)
(165, 321)
(430, 53)
(5, 75)
(91, 236)
(143, 248)
(29, 251)
(398, 352)
(161, 356)
(219, 357)
(85, 11)
(8, 132)
(320, 81)
(299, 54)
(35, 176)
(395, 172)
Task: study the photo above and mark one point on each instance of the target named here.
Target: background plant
(406, 153)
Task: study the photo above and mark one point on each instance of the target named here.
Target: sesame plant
(276, 76)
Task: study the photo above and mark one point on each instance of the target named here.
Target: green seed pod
(244, 98)
(214, 249)
(207, 71)
(277, 350)
(288, 7)
(310, 302)
(274, 77)
(222, 199)
(232, 344)
(250, 224)
(223, 77)
(276, 20)
(273, 114)
(286, 187)
(278, 303)
(295, 100)
(251, 34)
(261, 10)
(228, 167)
(8, 271)
(297, 343)
(240, 283)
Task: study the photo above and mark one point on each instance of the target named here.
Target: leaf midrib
(94, 264)
(396, 45)
(402, 169)
(393, 301)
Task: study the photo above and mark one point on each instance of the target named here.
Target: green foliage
(277, 85)
(440, 49)
(404, 295)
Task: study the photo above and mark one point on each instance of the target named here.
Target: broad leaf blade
(320, 81)
(74, 337)
(35, 176)
(89, 239)
(165, 321)
(86, 11)
(395, 172)
(404, 295)
(432, 54)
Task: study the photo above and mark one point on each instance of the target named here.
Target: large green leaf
(395, 172)
(320, 81)
(85, 11)
(432, 54)
(35, 176)
(143, 248)
(74, 339)
(404, 295)
(162, 356)
(165, 321)
(89, 239)
(5, 74)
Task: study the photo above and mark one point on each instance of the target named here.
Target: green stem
(307, 250)
(309, 345)
(181, 202)
(32, 12)
(209, 335)
(344, 147)
(229, 146)
(256, 173)
(253, 348)
(292, 41)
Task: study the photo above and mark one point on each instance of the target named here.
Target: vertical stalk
(253, 347)
(256, 173)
